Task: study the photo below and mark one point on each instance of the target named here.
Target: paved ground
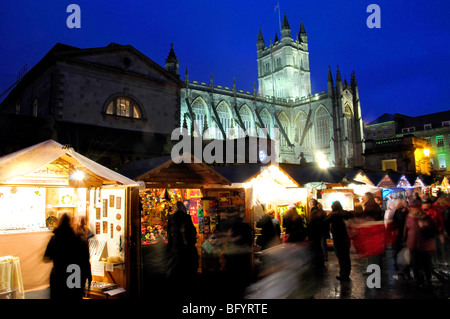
(327, 286)
(393, 286)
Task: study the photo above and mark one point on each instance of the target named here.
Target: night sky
(402, 67)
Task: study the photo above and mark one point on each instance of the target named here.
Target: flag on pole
(276, 7)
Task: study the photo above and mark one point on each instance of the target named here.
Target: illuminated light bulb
(78, 175)
(322, 160)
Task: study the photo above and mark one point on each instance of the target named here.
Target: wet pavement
(392, 285)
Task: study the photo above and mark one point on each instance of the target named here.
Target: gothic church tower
(283, 67)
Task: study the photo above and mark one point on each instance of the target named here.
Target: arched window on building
(266, 122)
(300, 126)
(284, 121)
(224, 113)
(348, 116)
(323, 125)
(200, 114)
(124, 107)
(247, 120)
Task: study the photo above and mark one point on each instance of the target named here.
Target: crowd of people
(417, 229)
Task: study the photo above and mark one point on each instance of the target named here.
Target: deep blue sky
(404, 67)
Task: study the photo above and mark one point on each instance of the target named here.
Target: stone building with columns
(327, 123)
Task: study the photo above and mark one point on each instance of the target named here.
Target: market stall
(166, 182)
(39, 184)
(265, 188)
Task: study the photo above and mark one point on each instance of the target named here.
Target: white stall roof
(29, 159)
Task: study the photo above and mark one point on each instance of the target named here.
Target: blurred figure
(398, 226)
(371, 210)
(446, 214)
(270, 230)
(82, 229)
(182, 254)
(318, 232)
(380, 203)
(390, 210)
(66, 248)
(294, 225)
(420, 230)
(416, 197)
(238, 257)
(288, 273)
(341, 241)
(434, 211)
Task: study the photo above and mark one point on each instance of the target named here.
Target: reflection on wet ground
(393, 285)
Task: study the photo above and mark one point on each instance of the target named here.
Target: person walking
(238, 270)
(318, 233)
(69, 253)
(371, 209)
(419, 233)
(341, 241)
(434, 210)
(270, 230)
(295, 228)
(372, 212)
(398, 226)
(183, 258)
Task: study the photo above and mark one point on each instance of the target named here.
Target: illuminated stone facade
(329, 122)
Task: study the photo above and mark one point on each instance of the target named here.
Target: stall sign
(346, 200)
(49, 174)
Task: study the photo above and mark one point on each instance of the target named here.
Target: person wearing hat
(419, 233)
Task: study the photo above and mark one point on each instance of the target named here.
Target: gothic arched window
(200, 115)
(224, 113)
(284, 121)
(348, 115)
(247, 120)
(266, 122)
(300, 125)
(125, 107)
(322, 128)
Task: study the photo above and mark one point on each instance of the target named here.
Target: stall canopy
(20, 167)
(312, 176)
(264, 183)
(165, 172)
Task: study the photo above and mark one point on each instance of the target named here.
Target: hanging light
(322, 160)
(78, 175)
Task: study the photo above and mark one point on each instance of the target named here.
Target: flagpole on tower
(277, 6)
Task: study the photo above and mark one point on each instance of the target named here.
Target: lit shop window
(125, 107)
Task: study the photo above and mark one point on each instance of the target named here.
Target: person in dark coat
(70, 255)
(341, 241)
(270, 230)
(318, 232)
(238, 272)
(183, 258)
(398, 226)
(295, 228)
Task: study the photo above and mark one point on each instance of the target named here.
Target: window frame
(132, 107)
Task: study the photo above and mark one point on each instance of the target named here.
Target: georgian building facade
(326, 122)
